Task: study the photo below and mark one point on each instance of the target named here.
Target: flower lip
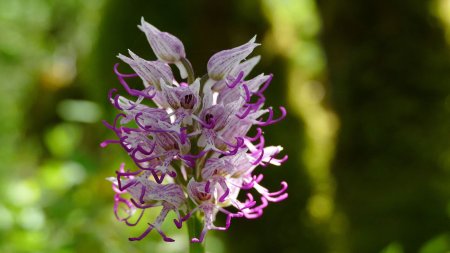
(188, 101)
(197, 191)
(209, 118)
(214, 117)
(186, 97)
(183, 96)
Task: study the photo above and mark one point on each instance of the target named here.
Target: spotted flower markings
(192, 149)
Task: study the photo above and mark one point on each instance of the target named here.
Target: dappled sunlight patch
(23, 193)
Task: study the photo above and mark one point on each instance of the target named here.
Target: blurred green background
(366, 85)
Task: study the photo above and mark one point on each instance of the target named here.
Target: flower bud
(166, 47)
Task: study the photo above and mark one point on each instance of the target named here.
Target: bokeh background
(366, 85)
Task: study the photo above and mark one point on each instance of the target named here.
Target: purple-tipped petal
(236, 80)
(144, 93)
(201, 238)
(148, 230)
(248, 65)
(151, 72)
(178, 223)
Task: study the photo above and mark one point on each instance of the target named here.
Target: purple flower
(146, 194)
(193, 150)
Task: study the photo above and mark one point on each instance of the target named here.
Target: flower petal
(224, 62)
(149, 71)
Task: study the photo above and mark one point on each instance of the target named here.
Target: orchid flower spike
(194, 150)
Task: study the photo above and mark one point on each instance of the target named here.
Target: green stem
(195, 226)
(190, 71)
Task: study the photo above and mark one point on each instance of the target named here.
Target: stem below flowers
(195, 226)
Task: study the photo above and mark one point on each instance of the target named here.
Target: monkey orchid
(192, 150)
